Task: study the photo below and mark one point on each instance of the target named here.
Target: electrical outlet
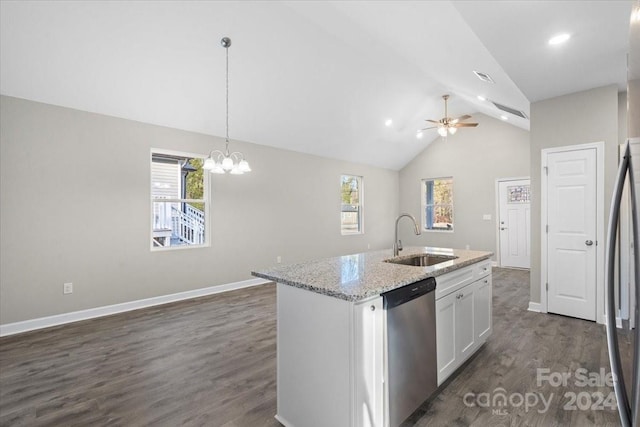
(486, 217)
(368, 245)
(67, 288)
(278, 259)
(467, 247)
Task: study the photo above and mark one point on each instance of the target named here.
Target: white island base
(331, 352)
(331, 336)
(330, 360)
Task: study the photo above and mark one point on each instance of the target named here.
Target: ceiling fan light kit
(447, 125)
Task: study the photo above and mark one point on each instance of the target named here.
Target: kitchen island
(332, 329)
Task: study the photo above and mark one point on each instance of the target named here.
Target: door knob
(503, 228)
(589, 242)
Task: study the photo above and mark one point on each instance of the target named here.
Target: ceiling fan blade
(461, 118)
(432, 127)
(465, 125)
(432, 121)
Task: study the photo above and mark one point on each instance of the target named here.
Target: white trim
(423, 206)
(91, 313)
(497, 215)
(603, 320)
(282, 421)
(535, 306)
(600, 237)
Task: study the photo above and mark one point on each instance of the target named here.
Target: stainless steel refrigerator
(626, 368)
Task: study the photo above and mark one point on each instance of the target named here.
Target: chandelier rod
(226, 42)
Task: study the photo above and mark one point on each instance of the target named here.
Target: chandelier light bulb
(453, 130)
(227, 164)
(442, 131)
(244, 166)
(209, 164)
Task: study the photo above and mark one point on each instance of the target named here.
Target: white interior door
(514, 223)
(571, 242)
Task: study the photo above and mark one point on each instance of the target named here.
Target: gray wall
(75, 208)
(577, 118)
(475, 158)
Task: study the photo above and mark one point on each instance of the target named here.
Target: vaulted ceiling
(316, 77)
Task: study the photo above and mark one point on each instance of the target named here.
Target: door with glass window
(514, 223)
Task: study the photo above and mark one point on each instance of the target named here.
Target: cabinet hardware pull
(373, 308)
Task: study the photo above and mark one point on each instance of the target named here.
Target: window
(518, 194)
(179, 200)
(437, 204)
(351, 204)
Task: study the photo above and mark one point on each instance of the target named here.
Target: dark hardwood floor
(208, 361)
(212, 362)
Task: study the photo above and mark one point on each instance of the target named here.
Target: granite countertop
(360, 276)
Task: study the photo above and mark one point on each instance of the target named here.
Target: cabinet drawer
(482, 269)
(455, 280)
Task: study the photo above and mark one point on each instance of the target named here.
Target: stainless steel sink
(422, 260)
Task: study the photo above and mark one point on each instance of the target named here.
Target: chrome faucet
(397, 244)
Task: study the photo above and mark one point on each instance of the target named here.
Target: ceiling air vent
(510, 110)
(484, 77)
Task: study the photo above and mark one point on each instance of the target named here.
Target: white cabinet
(463, 316)
(369, 363)
(446, 326)
(465, 335)
(330, 360)
(483, 312)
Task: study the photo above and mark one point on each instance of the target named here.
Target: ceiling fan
(449, 125)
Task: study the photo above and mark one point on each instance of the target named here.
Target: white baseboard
(535, 306)
(282, 421)
(603, 321)
(91, 313)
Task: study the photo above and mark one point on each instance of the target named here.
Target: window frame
(206, 200)
(360, 180)
(423, 197)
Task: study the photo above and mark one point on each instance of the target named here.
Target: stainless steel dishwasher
(412, 371)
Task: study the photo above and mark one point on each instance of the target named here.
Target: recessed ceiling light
(505, 118)
(483, 76)
(388, 122)
(482, 98)
(560, 38)
(419, 134)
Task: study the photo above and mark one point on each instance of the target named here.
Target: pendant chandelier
(225, 161)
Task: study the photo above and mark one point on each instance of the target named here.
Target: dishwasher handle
(407, 293)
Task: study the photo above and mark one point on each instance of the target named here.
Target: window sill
(177, 248)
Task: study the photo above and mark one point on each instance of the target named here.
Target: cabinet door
(446, 320)
(483, 309)
(368, 367)
(465, 319)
